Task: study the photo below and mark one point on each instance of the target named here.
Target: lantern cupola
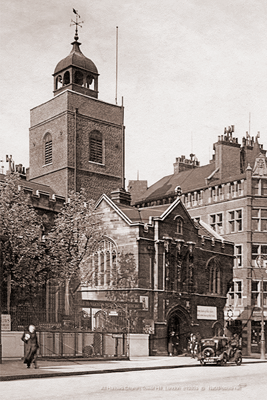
(76, 72)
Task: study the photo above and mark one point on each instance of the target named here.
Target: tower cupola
(76, 72)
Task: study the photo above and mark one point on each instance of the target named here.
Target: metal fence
(59, 337)
(20, 320)
(82, 344)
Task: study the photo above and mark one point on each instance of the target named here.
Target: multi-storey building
(229, 194)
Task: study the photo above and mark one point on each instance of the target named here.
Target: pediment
(260, 167)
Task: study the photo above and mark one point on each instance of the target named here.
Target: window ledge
(96, 163)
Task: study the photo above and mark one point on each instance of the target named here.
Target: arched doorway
(217, 329)
(178, 330)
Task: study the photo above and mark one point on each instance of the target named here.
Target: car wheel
(224, 360)
(208, 352)
(238, 359)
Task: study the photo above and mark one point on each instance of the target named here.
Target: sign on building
(149, 326)
(144, 301)
(5, 322)
(205, 312)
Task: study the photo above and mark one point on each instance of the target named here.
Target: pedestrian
(31, 346)
(192, 345)
(171, 344)
(176, 344)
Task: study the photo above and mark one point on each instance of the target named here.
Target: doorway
(178, 334)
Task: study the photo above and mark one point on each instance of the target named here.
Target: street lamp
(260, 262)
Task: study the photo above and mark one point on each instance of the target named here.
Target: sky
(186, 70)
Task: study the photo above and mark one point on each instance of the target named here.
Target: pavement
(15, 369)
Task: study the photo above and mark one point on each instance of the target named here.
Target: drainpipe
(156, 271)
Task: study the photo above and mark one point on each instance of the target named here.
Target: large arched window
(105, 263)
(215, 278)
(96, 147)
(48, 149)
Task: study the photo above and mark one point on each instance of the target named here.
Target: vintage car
(219, 350)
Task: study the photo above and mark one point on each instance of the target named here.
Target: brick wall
(227, 158)
(59, 118)
(58, 129)
(56, 180)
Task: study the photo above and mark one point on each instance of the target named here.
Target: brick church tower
(76, 140)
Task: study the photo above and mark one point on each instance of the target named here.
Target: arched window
(66, 79)
(78, 78)
(179, 224)
(58, 82)
(104, 263)
(48, 149)
(100, 318)
(89, 81)
(96, 147)
(215, 278)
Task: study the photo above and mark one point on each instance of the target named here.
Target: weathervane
(77, 23)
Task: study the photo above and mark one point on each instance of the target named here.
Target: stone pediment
(260, 167)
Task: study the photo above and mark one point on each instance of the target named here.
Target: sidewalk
(15, 369)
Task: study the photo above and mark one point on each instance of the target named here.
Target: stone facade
(180, 267)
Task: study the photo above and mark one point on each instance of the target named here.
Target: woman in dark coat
(31, 346)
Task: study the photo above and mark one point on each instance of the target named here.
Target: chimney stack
(121, 196)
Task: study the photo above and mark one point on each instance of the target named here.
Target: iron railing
(69, 344)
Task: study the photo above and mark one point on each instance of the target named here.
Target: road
(247, 381)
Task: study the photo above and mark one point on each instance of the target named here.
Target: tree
(23, 254)
(75, 235)
(121, 295)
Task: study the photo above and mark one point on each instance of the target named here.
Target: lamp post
(260, 262)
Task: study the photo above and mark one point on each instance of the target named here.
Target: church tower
(76, 140)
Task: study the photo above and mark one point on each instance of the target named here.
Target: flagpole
(116, 92)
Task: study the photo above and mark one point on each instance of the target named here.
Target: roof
(142, 214)
(189, 180)
(35, 186)
(133, 215)
(206, 230)
(77, 59)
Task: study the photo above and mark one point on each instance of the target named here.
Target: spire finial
(77, 23)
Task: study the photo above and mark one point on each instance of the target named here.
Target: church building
(184, 270)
